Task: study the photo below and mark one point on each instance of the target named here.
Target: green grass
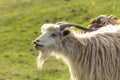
(20, 22)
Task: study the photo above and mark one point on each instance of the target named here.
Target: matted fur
(90, 56)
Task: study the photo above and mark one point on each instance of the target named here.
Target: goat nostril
(37, 40)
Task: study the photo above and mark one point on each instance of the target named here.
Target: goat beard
(42, 57)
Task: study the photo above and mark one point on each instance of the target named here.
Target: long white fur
(75, 49)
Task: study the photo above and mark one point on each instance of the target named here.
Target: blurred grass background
(20, 22)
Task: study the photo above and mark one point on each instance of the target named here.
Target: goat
(104, 20)
(89, 56)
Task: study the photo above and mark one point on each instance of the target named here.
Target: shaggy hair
(90, 56)
(104, 20)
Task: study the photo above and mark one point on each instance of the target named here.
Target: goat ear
(66, 32)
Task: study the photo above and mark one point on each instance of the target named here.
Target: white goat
(89, 56)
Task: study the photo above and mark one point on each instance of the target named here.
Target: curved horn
(102, 16)
(105, 18)
(63, 25)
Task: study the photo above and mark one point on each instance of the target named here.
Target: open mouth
(37, 46)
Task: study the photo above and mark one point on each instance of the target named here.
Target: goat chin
(42, 57)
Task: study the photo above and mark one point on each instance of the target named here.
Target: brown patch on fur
(113, 20)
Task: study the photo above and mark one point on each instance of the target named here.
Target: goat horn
(105, 18)
(102, 16)
(63, 25)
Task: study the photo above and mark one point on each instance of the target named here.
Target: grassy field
(20, 22)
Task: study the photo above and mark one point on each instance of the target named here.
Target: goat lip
(38, 46)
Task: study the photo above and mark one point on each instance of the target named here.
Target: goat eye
(54, 35)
